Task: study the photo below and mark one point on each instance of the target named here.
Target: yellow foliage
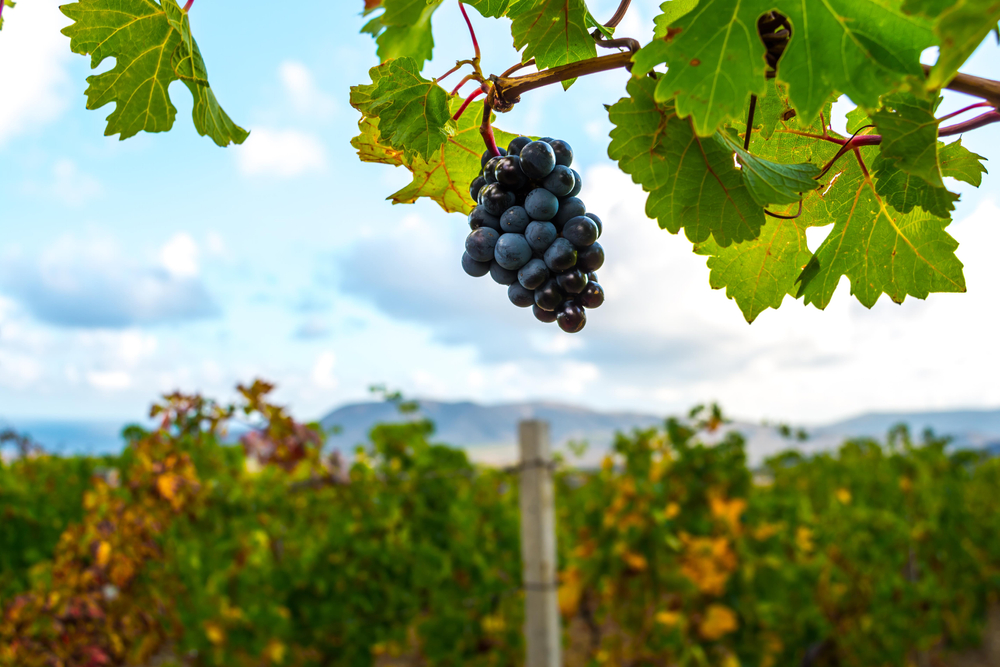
(636, 561)
(707, 562)
(766, 530)
(844, 496)
(669, 618)
(804, 539)
(495, 624)
(215, 633)
(906, 484)
(719, 620)
(729, 511)
(673, 509)
(730, 660)
(275, 651)
(103, 554)
(570, 591)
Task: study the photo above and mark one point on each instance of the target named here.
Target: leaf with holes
(152, 47)
(553, 32)
(692, 182)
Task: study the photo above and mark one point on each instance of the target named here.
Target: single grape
(515, 219)
(512, 251)
(541, 204)
(590, 258)
(533, 274)
(508, 172)
(481, 218)
(540, 235)
(560, 182)
(542, 315)
(520, 297)
(548, 296)
(597, 221)
(571, 317)
(573, 281)
(592, 295)
(592, 277)
(474, 268)
(580, 231)
(501, 275)
(560, 256)
(495, 199)
(517, 144)
(569, 207)
(579, 184)
(487, 157)
(476, 186)
(490, 170)
(537, 160)
(480, 244)
(564, 154)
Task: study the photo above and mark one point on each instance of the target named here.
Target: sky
(130, 269)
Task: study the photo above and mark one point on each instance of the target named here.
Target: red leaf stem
(187, 5)
(486, 130)
(468, 100)
(475, 42)
(460, 84)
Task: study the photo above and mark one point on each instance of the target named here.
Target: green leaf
(857, 118)
(772, 182)
(879, 249)
(404, 30)
(692, 182)
(903, 191)
(959, 162)
(443, 176)
(152, 47)
(716, 61)
(490, 8)
(413, 112)
(670, 11)
(758, 274)
(772, 109)
(909, 135)
(553, 32)
(960, 26)
(649, 57)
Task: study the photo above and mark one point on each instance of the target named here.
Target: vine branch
(986, 89)
(507, 90)
(619, 14)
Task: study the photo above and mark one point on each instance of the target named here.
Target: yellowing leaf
(570, 591)
(719, 620)
(669, 618)
(636, 561)
(103, 554)
(804, 539)
(275, 651)
(844, 496)
(673, 510)
(729, 511)
(215, 633)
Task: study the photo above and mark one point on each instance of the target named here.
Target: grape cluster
(532, 233)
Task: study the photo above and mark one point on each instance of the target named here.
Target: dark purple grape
(592, 277)
(490, 170)
(487, 157)
(474, 268)
(580, 231)
(537, 160)
(597, 221)
(540, 235)
(590, 258)
(520, 297)
(569, 207)
(541, 204)
(573, 281)
(560, 256)
(547, 140)
(480, 244)
(495, 199)
(512, 251)
(476, 186)
(548, 296)
(508, 172)
(571, 317)
(579, 184)
(533, 274)
(515, 146)
(542, 315)
(480, 218)
(592, 295)
(564, 154)
(560, 182)
(501, 275)
(515, 219)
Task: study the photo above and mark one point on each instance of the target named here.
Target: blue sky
(132, 268)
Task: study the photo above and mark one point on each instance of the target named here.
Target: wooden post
(538, 547)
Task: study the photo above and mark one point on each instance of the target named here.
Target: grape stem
(462, 83)
(187, 6)
(468, 100)
(979, 121)
(472, 32)
(619, 14)
(486, 129)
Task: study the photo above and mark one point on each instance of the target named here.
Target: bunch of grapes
(532, 233)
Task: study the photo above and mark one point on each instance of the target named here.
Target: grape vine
(726, 121)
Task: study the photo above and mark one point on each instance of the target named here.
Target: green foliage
(152, 47)
(553, 32)
(404, 30)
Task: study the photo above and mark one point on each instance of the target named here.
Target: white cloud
(305, 96)
(35, 80)
(109, 380)
(283, 153)
(179, 256)
(322, 373)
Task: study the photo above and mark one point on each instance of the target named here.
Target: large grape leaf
(903, 191)
(960, 26)
(862, 48)
(412, 111)
(553, 32)
(692, 181)
(909, 135)
(670, 11)
(490, 8)
(443, 176)
(403, 29)
(152, 47)
(879, 249)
